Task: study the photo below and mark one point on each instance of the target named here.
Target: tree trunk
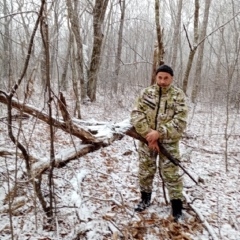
(7, 73)
(160, 54)
(54, 40)
(119, 47)
(64, 82)
(77, 108)
(176, 34)
(192, 49)
(43, 68)
(155, 63)
(197, 78)
(158, 46)
(45, 39)
(188, 69)
(98, 18)
(73, 16)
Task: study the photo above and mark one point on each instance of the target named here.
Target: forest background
(97, 56)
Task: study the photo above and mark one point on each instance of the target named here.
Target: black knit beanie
(165, 68)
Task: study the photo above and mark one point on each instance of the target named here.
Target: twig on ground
(204, 221)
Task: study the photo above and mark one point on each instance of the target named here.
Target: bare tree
(158, 58)
(99, 11)
(66, 63)
(73, 63)
(160, 55)
(7, 71)
(122, 5)
(199, 63)
(45, 39)
(176, 34)
(192, 48)
(72, 7)
(231, 55)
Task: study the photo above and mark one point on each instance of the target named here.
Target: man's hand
(152, 138)
(154, 146)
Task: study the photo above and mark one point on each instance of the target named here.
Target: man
(160, 114)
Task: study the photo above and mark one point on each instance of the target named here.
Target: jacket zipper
(165, 108)
(159, 100)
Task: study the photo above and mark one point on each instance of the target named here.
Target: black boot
(145, 202)
(176, 209)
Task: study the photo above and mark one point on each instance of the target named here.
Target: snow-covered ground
(95, 194)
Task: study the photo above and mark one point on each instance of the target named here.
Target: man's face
(164, 79)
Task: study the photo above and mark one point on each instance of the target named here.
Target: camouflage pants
(170, 173)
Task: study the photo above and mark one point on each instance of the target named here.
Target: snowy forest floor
(95, 195)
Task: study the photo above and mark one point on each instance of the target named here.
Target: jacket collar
(164, 89)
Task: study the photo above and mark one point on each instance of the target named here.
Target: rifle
(132, 133)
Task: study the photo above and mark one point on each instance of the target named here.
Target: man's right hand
(152, 138)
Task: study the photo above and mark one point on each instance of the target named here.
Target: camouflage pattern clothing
(164, 110)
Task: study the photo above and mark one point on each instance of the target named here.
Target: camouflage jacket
(162, 109)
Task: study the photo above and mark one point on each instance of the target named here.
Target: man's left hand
(152, 138)
(154, 146)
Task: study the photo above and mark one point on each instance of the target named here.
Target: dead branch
(86, 136)
(17, 13)
(18, 203)
(219, 28)
(11, 152)
(64, 157)
(189, 43)
(75, 129)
